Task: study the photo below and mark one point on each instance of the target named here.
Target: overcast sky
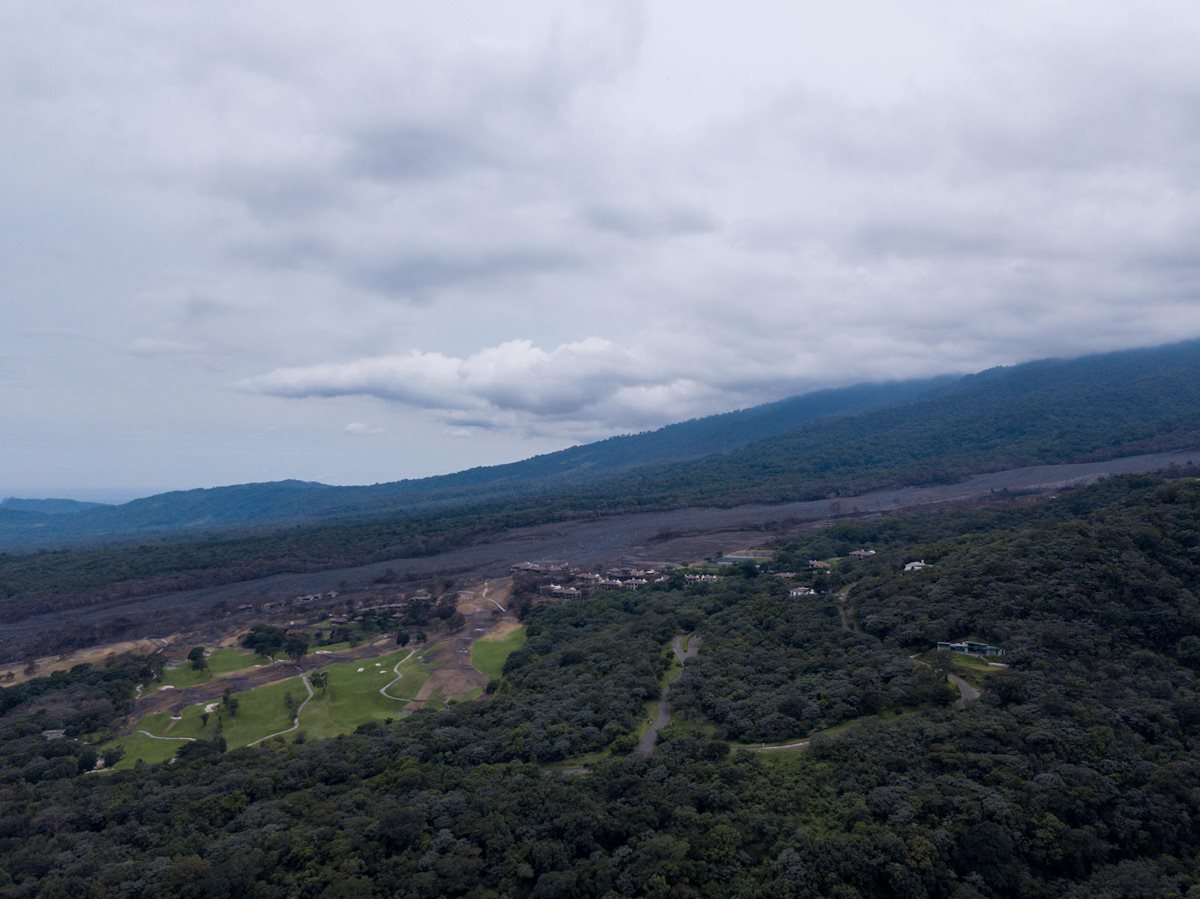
(358, 242)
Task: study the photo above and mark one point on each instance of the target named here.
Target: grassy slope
(261, 712)
(353, 698)
(225, 660)
(489, 654)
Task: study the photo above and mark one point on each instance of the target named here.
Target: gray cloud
(406, 151)
(644, 224)
(535, 224)
(418, 277)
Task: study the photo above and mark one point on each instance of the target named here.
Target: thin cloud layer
(534, 224)
(361, 429)
(593, 382)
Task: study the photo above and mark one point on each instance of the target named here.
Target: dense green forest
(1074, 774)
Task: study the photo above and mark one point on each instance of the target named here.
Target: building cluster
(302, 600)
(542, 567)
(316, 597)
(971, 648)
(572, 582)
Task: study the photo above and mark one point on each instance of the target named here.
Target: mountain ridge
(826, 443)
(291, 501)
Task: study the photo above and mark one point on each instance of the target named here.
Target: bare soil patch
(452, 682)
(92, 655)
(502, 629)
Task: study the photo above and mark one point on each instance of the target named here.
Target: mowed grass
(261, 712)
(489, 654)
(353, 698)
(225, 660)
(139, 746)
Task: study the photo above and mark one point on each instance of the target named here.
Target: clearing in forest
(362, 691)
(259, 712)
(489, 653)
(225, 660)
(355, 694)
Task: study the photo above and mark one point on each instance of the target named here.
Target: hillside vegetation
(189, 512)
(830, 442)
(1096, 407)
(1073, 775)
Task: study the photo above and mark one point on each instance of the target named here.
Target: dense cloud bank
(543, 221)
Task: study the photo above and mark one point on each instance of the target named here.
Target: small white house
(801, 591)
(917, 566)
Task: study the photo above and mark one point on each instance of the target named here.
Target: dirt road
(966, 693)
(645, 746)
(845, 613)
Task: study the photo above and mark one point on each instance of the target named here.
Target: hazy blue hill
(210, 509)
(279, 502)
(47, 506)
(834, 442)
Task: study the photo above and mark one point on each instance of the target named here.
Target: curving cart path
(296, 720)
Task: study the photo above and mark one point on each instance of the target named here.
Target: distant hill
(283, 502)
(828, 443)
(47, 506)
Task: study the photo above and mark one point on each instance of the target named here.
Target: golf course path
(296, 720)
(147, 733)
(802, 744)
(383, 691)
(489, 599)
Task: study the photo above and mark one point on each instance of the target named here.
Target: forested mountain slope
(830, 443)
(1095, 407)
(47, 506)
(1073, 775)
(1043, 412)
(289, 502)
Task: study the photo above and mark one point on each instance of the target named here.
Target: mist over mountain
(290, 501)
(825, 443)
